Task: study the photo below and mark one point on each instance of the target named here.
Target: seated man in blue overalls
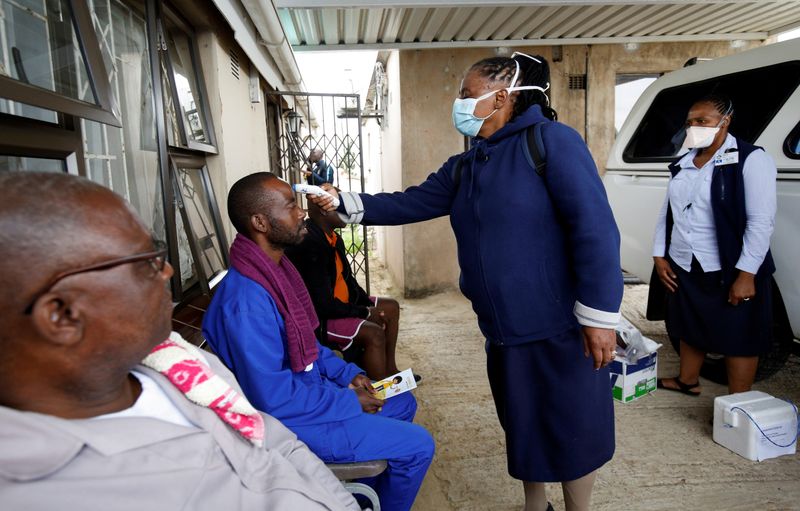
(261, 324)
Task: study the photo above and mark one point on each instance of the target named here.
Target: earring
(54, 317)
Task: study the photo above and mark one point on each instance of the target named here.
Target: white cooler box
(736, 431)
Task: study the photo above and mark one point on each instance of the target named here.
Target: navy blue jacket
(528, 246)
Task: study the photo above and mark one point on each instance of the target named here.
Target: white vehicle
(764, 84)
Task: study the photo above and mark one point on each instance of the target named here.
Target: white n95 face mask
(464, 118)
(698, 137)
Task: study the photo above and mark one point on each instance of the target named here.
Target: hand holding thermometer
(315, 190)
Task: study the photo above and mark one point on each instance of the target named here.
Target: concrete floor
(665, 457)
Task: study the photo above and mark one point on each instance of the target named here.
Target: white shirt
(694, 231)
(153, 402)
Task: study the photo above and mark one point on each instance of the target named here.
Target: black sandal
(683, 388)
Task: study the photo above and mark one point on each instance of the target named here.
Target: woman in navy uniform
(539, 259)
(711, 249)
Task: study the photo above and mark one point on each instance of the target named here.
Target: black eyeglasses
(157, 259)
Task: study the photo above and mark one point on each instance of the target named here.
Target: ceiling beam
(431, 28)
(576, 20)
(330, 26)
(520, 19)
(372, 25)
(499, 16)
(413, 25)
(784, 28)
(748, 36)
(350, 26)
(312, 4)
(771, 12)
(719, 20)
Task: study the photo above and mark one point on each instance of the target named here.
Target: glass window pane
(626, 92)
(126, 160)
(196, 202)
(31, 112)
(38, 46)
(173, 130)
(793, 143)
(179, 45)
(660, 133)
(19, 163)
(186, 261)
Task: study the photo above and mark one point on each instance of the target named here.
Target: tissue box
(738, 432)
(632, 381)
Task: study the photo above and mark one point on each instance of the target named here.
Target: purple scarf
(284, 284)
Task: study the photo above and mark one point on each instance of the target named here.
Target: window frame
(194, 248)
(96, 74)
(628, 150)
(793, 135)
(165, 12)
(64, 140)
(34, 138)
(198, 164)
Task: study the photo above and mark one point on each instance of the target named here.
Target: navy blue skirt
(699, 314)
(556, 410)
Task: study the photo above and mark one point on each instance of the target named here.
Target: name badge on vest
(726, 159)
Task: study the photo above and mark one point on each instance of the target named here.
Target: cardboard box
(632, 381)
(755, 425)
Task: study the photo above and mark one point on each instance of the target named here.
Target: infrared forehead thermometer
(315, 190)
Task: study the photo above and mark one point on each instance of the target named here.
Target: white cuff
(588, 316)
(748, 264)
(353, 206)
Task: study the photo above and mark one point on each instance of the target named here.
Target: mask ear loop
(528, 87)
(516, 75)
(728, 111)
(526, 56)
(533, 87)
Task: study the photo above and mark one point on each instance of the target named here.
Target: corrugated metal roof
(375, 24)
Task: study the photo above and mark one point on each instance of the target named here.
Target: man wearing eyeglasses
(100, 406)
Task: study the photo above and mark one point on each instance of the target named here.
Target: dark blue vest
(730, 215)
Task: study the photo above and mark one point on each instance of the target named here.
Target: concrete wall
(392, 167)
(428, 81)
(240, 125)
(373, 180)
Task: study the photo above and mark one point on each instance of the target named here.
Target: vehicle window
(792, 145)
(626, 91)
(757, 95)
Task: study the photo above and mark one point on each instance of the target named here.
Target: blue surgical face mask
(464, 118)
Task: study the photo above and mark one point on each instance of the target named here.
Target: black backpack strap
(536, 148)
(457, 169)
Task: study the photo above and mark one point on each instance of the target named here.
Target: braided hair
(502, 69)
(722, 104)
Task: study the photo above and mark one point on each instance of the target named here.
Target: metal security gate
(301, 122)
